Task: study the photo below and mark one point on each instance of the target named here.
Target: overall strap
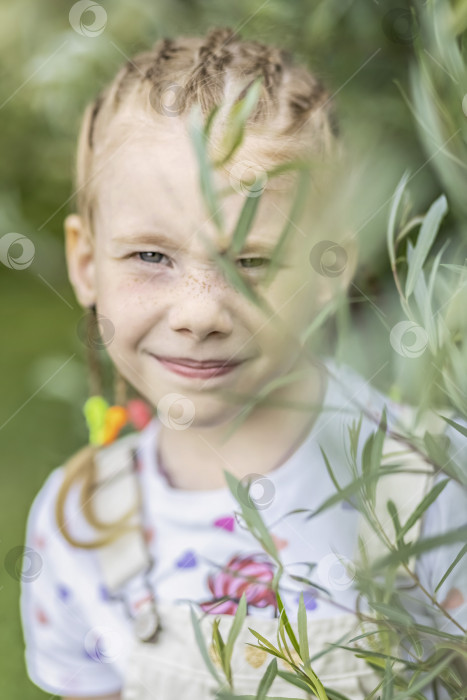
(118, 492)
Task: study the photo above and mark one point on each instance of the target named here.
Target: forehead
(148, 176)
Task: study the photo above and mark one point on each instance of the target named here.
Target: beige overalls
(169, 664)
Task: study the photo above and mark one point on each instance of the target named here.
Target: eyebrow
(168, 242)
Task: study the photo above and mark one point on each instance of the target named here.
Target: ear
(80, 253)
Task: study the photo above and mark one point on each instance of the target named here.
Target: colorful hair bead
(105, 422)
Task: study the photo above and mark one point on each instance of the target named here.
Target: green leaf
(420, 546)
(335, 695)
(227, 265)
(202, 647)
(267, 680)
(294, 679)
(197, 133)
(393, 613)
(390, 505)
(329, 469)
(437, 447)
(423, 681)
(422, 506)
(354, 487)
(244, 223)
(301, 194)
(219, 646)
(454, 563)
(392, 216)
(388, 682)
(235, 629)
(457, 426)
(303, 631)
(286, 623)
(251, 515)
(236, 121)
(425, 240)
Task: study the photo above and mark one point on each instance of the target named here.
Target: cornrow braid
(207, 80)
(168, 50)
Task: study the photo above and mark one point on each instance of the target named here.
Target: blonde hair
(293, 115)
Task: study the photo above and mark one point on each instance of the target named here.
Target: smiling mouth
(203, 370)
(197, 364)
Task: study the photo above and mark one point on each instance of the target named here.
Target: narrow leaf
(267, 680)
(422, 506)
(202, 646)
(425, 239)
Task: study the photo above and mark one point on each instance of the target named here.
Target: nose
(199, 306)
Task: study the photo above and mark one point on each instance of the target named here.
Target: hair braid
(95, 375)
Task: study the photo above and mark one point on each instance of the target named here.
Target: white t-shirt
(78, 639)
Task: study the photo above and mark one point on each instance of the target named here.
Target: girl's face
(155, 282)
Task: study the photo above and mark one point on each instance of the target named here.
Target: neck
(194, 459)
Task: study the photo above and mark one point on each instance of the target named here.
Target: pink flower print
(41, 617)
(226, 523)
(251, 574)
(149, 534)
(279, 542)
(38, 541)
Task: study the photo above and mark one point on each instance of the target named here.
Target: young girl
(109, 614)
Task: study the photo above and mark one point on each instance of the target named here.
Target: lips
(209, 369)
(197, 364)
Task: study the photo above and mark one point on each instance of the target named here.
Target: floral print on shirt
(251, 574)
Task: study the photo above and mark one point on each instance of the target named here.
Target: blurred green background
(362, 49)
